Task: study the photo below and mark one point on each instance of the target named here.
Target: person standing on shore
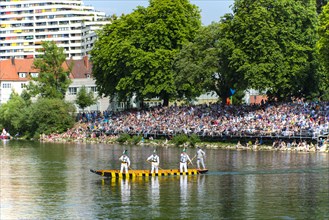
(200, 156)
(154, 160)
(125, 162)
(184, 158)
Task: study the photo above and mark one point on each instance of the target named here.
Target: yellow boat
(146, 173)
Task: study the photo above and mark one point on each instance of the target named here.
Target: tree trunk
(165, 101)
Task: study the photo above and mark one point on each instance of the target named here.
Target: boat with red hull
(4, 137)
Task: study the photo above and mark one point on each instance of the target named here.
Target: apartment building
(24, 24)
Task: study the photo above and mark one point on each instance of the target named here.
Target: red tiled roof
(81, 68)
(9, 69)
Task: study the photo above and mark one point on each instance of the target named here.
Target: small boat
(4, 137)
(146, 173)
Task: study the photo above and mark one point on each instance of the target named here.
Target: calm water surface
(53, 181)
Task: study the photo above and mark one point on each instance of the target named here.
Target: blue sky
(211, 10)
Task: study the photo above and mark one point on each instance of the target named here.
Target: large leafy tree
(53, 80)
(274, 46)
(204, 64)
(134, 55)
(323, 51)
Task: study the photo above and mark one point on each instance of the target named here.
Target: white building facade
(24, 24)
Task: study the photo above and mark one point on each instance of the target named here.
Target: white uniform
(155, 160)
(200, 155)
(125, 163)
(184, 158)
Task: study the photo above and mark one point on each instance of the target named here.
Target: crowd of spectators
(294, 120)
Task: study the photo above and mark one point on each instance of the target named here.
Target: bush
(123, 138)
(194, 139)
(49, 116)
(180, 139)
(12, 114)
(136, 139)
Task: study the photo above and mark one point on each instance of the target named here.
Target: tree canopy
(134, 55)
(53, 80)
(274, 45)
(322, 47)
(204, 64)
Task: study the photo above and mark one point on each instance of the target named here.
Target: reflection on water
(125, 191)
(201, 184)
(183, 194)
(52, 181)
(154, 196)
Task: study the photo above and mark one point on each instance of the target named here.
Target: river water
(53, 181)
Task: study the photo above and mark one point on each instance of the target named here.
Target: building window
(23, 85)
(34, 75)
(93, 89)
(6, 85)
(73, 90)
(22, 75)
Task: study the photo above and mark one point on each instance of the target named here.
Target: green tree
(134, 55)
(85, 99)
(204, 64)
(53, 80)
(274, 46)
(322, 47)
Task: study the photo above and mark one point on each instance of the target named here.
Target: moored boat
(147, 173)
(4, 137)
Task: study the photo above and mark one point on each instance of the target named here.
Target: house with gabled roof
(15, 74)
(81, 75)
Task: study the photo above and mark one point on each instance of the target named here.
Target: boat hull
(4, 137)
(146, 173)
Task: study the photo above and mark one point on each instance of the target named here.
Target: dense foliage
(204, 64)
(322, 48)
(134, 55)
(31, 119)
(50, 115)
(274, 46)
(12, 114)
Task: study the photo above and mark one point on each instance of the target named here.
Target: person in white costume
(184, 159)
(125, 162)
(154, 160)
(200, 156)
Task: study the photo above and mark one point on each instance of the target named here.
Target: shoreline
(205, 145)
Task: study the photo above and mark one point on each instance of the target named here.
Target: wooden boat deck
(146, 173)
